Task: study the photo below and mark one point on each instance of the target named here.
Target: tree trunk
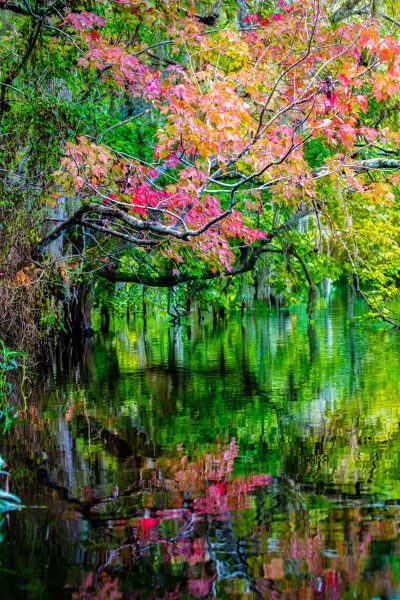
(78, 305)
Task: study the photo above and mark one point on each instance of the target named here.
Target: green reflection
(254, 457)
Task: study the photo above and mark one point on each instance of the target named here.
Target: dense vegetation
(220, 151)
(191, 157)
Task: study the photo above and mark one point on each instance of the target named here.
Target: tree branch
(136, 225)
(352, 8)
(15, 8)
(369, 164)
(27, 11)
(347, 9)
(168, 280)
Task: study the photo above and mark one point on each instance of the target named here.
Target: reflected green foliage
(246, 458)
(10, 362)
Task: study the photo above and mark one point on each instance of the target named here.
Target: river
(250, 458)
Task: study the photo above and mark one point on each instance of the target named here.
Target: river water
(252, 458)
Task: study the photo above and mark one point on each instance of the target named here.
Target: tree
(266, 133)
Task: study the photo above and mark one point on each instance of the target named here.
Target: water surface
(252, 458)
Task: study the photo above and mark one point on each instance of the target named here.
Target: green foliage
(315, 152)
(10, 363)
(135, 138)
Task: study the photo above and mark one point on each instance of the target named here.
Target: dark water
(248, 459)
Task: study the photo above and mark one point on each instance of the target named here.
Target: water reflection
(252, 458)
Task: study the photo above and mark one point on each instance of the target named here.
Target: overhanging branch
(168, 280)
(135, 225)
(369, 164)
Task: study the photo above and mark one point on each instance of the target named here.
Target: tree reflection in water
(252, 459)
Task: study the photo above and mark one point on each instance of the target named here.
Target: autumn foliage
(221, 140)
(236, 111)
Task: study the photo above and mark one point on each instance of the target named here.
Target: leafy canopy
(228, 134)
